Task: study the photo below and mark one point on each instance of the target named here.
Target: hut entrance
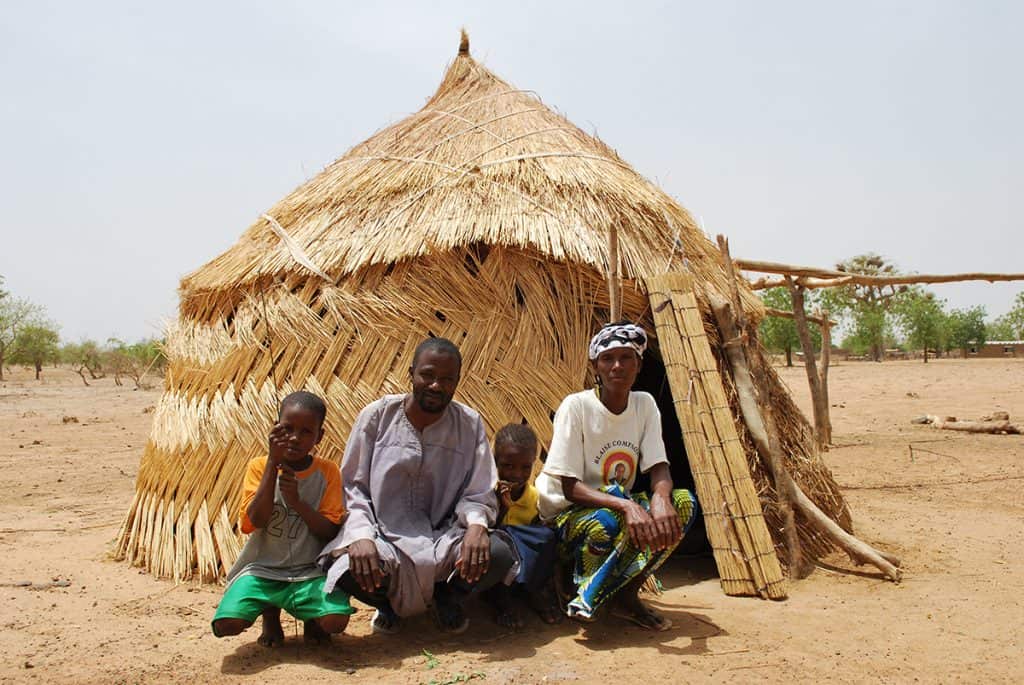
(652, 379)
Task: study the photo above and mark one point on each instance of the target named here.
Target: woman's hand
(639, 524)
(668, 531)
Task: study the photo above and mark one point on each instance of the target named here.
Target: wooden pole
(741, 318)
(811, 277)
(822, 424)
(814, 272)
(771, 453)
(826, 360)
(614, 286)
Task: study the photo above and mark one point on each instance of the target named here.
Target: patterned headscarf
(615, 335)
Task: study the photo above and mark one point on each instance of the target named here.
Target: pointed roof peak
(464, 42)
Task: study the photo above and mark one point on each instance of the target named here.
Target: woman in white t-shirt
(612, 539)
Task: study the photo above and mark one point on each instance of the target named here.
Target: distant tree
(965, 328)
(83, 357)
(15, 314)
(779, 334)
(36, 345)
(1000, 329)
(867, 308)
(132, 360)
(922, 318)
(1012, 323)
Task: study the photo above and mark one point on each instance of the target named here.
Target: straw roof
(484, 218)
(482, 162)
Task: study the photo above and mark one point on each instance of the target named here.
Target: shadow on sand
(488, 642)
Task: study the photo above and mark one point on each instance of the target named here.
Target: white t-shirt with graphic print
(598, 447)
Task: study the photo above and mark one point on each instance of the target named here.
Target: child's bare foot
(545, 604)
(273, 633)
(506, 613)
(314, 635)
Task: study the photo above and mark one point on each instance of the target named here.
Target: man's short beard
(429, 410)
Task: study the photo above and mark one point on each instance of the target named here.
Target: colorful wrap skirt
(594, 544)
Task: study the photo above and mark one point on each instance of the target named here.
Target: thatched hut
(484, 218)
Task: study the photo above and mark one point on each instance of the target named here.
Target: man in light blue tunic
(418, 480)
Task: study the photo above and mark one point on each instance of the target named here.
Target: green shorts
(247, 597)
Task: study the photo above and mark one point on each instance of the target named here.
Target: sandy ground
(952, 510)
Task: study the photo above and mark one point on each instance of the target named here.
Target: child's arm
(319, 525)
(262, 504)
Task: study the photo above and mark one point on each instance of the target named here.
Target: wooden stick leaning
(798, 568)
(859, 551)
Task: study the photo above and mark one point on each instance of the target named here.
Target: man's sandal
(385, 621)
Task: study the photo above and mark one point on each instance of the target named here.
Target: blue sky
(140, 139)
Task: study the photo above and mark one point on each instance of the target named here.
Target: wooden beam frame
(783, 314)
(811, 278)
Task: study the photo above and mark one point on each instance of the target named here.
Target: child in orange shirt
(291, 506)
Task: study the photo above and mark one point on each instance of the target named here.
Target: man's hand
(364, 565)
(642, 532)
(666, 522)
(288, 485)
(476, 554)
(278, 444)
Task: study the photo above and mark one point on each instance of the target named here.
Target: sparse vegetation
(1009, 326)
(132, 360)
(35, 345)
(15, 315)
(923, 319)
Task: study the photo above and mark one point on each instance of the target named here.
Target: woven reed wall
(522, 324)
(521, 321)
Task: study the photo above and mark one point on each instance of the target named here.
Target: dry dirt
(952, 510)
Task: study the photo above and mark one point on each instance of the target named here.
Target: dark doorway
(652, 379)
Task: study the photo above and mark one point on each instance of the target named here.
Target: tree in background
(36, 345)
(1000, 329)
(83, 357)
(923, 319)
(133, 360)
(779, 334)
(867, 308)
(1009, 326)
(965, 328)
(15, 315)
